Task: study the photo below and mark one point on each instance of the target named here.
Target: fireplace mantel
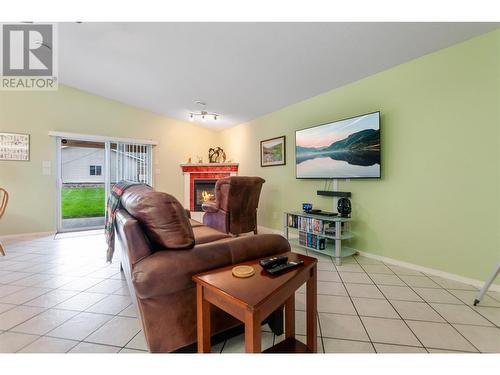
(204, 171)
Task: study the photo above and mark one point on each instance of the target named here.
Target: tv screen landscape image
(347, 148)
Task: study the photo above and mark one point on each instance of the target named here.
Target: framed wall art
(273, 152)
(14, 146)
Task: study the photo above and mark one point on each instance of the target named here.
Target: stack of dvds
(293, 221)
(310, 225)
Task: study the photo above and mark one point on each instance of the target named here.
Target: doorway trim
(100, 138)
(59, 184)
(59, 136)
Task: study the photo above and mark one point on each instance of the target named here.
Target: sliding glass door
(87, 171)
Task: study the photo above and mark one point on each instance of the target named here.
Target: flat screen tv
(348, 148)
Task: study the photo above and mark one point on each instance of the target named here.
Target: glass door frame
(59, 182)
(146, 145)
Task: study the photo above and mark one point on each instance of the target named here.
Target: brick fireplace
(199, 181)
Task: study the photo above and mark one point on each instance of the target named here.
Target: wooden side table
(252, 299)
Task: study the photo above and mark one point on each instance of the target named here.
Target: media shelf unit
(333, 243)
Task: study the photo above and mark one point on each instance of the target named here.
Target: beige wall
(32, 207)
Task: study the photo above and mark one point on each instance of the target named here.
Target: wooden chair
(4, 199)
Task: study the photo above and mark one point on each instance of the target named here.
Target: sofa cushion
(206, 234)
(195, 223)
(163, 218)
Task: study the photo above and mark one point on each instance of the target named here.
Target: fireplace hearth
(204, 190)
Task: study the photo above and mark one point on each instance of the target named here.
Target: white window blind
(134, 162)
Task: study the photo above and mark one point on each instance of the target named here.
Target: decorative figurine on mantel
(200, 159)
(216, 155)
(189, 161)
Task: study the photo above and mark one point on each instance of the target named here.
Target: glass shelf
(345, 236)
(320, 217)
(330, 250)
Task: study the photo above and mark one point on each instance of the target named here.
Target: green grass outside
(82, 202)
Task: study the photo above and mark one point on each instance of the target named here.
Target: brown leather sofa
(235, 207)
(161, 248)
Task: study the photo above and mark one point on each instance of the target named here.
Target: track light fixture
(202, 113)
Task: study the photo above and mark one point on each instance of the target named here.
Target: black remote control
(285, 267)
(274, 261)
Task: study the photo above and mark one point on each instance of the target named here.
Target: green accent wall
(437, 204)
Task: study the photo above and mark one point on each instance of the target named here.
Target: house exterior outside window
(95, 170)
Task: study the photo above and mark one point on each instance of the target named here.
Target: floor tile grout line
(13, 329)
(388, 318)
(479, 312)
(76, 311)
(100, 326)
(79, 292)
(113, 276)
(469, 324)
(317, 312)
(470, 307)
(55, 307)
(396, 299)
(357, 313)
(397, 312)
(318, 322)
(414, 291)
(133, 337)
(38, 338)
(446, 320)
(423, 300)
(426, 287)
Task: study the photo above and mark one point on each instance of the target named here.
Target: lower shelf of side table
(289, 345)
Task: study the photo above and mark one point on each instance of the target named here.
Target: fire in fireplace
(204, 190)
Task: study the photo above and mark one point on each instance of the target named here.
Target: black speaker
(344, 207)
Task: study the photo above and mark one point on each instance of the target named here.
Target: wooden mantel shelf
(208, 164)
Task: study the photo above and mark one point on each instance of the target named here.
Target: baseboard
(415, 267)
(265, 230)
(431, 271)
(7, 237)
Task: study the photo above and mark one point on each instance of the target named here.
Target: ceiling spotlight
(202, 112)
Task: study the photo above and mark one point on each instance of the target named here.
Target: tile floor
(59, 295)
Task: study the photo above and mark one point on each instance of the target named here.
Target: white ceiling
(242, 70)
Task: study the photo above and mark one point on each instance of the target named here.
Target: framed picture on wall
(273, 152)
(14, 146)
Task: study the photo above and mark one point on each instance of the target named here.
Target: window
(95, 170)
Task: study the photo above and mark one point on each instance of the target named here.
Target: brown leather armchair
(235, 207)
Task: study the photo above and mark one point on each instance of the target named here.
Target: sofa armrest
(210, 206)
(167, 272)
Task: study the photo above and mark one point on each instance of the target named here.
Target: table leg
(203, 321)
(290, 317)
(252, 332)
(311, 310)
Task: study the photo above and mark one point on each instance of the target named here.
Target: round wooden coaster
(243, 271)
